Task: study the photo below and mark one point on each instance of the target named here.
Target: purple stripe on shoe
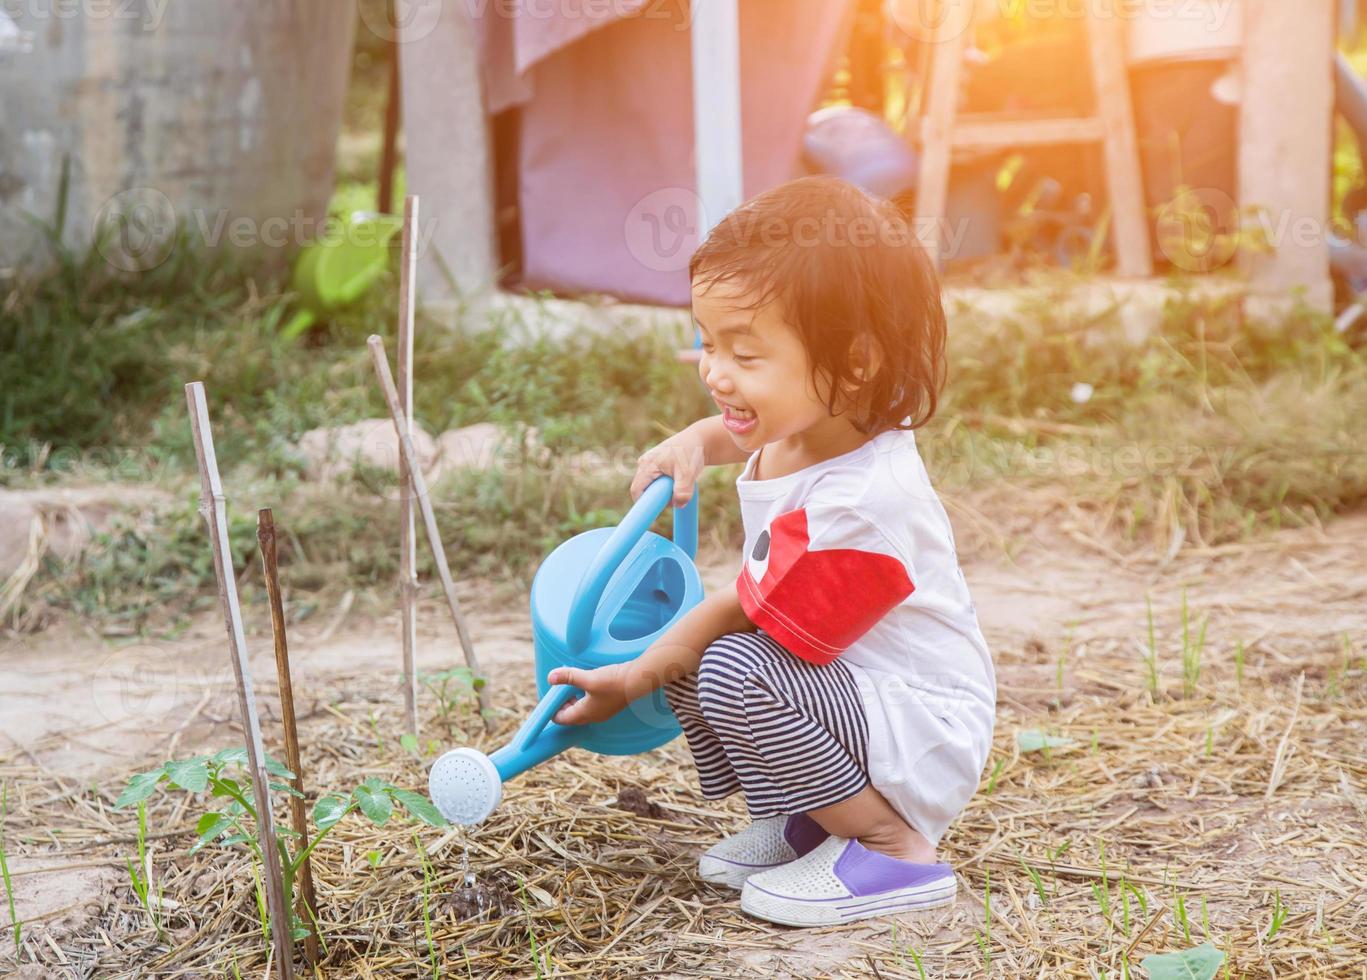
(803, 833)
(866, 872)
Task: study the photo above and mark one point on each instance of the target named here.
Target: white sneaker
(767, 843)
(840, 880)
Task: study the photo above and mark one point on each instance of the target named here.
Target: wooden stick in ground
(408, 530)
(265, 536)
(214, 510)
(429, 520)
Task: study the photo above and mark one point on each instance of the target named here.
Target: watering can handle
(648, 506)
(542, 714)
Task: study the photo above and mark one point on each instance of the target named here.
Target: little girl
(843, 684)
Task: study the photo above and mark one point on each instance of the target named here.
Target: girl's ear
(865, 358)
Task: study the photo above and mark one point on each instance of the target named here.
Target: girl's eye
(745, 358)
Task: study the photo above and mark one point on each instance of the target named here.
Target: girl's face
(757, 370)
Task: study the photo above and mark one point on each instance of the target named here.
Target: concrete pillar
(1286, 143)
(221, 118)
(449, 148)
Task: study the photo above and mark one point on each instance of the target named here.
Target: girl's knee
(731, 660)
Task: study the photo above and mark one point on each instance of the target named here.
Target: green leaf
(410, 742)
(237, 755)
(276, 768)
(420, 806)
(236, 839)
(282, 788)
(1198, 963)
(329, 809)
(1034, 741)
(374, 802)
(210, 826)
(373, 857)
(227, 787)
(189, 774)
(140, 787)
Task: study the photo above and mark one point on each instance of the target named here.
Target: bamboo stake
(410, 456)
(408, 531)
(265, 536)
(214, 511)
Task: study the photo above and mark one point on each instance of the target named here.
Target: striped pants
(790, 734)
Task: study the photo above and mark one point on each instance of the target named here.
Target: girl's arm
(683, 456)
(676, 654)
(718, 446)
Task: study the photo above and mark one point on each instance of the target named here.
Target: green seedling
(456, 691)
(1036, 880)
(1198, 963)
(141, 876)
(531, 935)
(375, 730)
(985, 937)
(1191, 650)
(992, 780)
(427, 907)
(1141, 897)
(1179, 904)
(409, 743)
(223, 775)
(1205, 918)
(1152, 659)
(4, 873)
(1279, 914)
(916, 957)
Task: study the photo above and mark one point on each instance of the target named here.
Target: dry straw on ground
(1269, 804)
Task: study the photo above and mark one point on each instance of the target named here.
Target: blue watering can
(600, 598)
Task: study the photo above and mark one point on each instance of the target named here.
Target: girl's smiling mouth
(737, 420)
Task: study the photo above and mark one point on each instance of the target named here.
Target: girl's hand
(681, 457)
(604, 689)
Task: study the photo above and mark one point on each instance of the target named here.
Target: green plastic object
(336, 271)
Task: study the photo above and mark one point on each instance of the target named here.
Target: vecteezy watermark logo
(141, 681)
(135, 231)
(1198, 230)
(410, 20)
(662, 230)
(148, 14)
(933, 20)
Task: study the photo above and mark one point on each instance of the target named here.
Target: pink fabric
(606, 166)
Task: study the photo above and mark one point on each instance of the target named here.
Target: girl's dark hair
(850, 275)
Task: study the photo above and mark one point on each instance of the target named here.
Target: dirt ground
(79, 710)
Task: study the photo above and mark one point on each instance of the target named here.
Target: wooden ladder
(943, 131)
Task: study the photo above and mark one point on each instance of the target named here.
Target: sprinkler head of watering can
(464, 786)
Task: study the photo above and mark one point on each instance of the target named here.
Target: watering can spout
(600, 598)
(466, 785)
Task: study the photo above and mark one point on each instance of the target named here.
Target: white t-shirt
(853, 559)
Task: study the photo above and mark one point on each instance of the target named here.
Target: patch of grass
(1208, 430)
(4, 874)
(149, 573)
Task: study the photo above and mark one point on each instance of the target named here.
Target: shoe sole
(836, 911)
(719, 872)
